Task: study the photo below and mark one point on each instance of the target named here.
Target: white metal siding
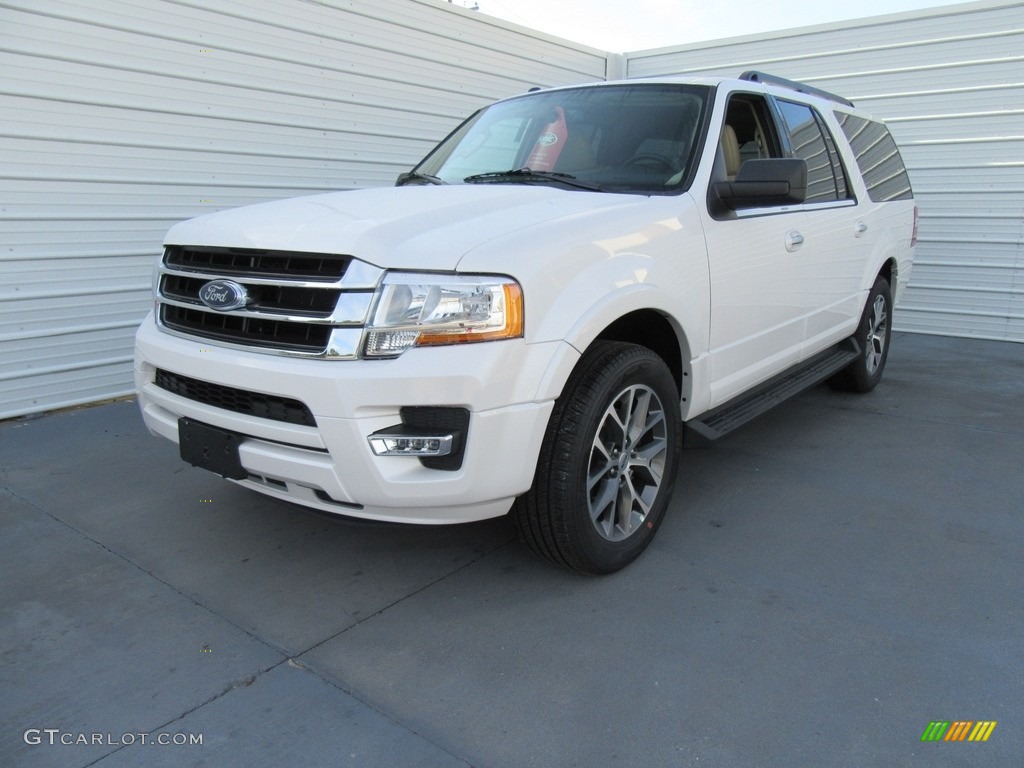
(118, 119)
(950, 84)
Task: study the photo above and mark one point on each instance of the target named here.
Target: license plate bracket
(210, 448)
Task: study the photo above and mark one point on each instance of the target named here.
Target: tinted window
(810, 141)
(879, 160)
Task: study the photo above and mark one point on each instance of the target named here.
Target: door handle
(793, 240)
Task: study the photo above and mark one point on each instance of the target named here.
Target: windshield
(638, 138)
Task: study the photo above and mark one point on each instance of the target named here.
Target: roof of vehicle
(751, 79)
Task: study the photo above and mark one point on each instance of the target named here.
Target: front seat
(730, 152)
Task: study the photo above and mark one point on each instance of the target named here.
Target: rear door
(837, 235)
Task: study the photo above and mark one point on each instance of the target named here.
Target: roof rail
(763, 77)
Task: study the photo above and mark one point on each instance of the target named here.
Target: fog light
(401, 441)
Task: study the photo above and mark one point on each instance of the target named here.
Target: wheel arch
(890, 271)
(672, 326)
(654, 330)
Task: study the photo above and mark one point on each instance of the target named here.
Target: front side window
(748, 120)
(639, 138)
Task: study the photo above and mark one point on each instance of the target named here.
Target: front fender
(583, 272)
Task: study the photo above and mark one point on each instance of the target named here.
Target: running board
(708, 427)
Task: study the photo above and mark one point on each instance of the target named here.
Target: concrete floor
(830, 579)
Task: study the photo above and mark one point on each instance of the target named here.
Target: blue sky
(630, 25)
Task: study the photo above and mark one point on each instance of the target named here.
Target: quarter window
(879, 160)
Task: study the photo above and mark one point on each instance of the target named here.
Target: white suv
(532, 318)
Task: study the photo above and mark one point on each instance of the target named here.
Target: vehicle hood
(412, 227)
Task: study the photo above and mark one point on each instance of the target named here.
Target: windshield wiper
(527, 175)
(415, 176)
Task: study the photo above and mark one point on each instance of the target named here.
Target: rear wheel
(873, 336)
(607, 464)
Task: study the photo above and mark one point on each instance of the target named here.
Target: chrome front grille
(267, 298)
(310, 305)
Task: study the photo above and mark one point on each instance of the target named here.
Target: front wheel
(607, 464)
(873, 336)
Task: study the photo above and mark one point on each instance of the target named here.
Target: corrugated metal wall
(118, 119)
(950, 84)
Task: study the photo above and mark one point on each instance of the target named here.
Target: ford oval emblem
(223, 295)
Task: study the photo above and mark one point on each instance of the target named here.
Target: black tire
(603, 480)
(873, 334)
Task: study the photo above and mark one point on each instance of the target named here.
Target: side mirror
(765, 183)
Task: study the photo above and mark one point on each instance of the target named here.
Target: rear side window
(810, 141)
(879, 160)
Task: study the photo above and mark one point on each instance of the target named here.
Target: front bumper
(508, 387)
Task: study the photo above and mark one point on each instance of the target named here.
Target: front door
(758, 305)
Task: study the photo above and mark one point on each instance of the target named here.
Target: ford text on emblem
(223, 295)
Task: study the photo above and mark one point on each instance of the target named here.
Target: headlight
(415, 310)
